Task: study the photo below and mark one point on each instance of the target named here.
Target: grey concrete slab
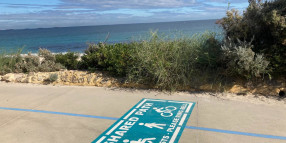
(195, 136)
(211, 112)
(49, 128)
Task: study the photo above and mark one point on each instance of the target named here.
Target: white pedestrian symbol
(153, 125)
(147, 140)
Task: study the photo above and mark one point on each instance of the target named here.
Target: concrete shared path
(58, 114)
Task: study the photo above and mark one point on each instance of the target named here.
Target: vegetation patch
(174, 63)
(68, 60)
(53, 77)
(263, 23)
(8, 61)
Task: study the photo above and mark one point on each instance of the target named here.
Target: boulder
(13, 77)
(8, 77)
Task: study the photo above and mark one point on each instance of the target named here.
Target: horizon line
(106, 24)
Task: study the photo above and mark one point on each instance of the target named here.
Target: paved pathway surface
(23, 117)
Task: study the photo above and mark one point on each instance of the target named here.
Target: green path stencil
(150, 121)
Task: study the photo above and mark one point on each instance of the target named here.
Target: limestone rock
(238, 89)
(71, 77)
(84, 78)
(12, 77)
(8, 77)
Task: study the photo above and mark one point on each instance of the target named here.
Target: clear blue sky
(19, 14)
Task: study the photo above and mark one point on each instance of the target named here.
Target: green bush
(48, 64)
(30, 63)
(15, 62)
(173, 63)
(53, 77)
(210, 50)
(115, 58)
(68, 60)
(44, 62)
(90, 59)
(242, 61)
(266, 22)
(8, 61)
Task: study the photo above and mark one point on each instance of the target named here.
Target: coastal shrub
(30, 63)
(53, 77)
(90, 59)
(266, 22)
(8, 61)
(46, 55)
(69, 60)
(210, 52)
(242, 61)
(43, 62)
(48, 63)
(173, 63)
(49, 66)
(115, 58)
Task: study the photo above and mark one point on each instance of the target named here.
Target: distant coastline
(75, 39)
(108, 25)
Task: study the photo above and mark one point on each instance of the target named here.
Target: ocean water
(75, 39)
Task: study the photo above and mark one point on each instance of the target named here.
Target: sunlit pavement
(52, 114)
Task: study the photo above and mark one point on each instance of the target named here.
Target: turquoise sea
(75, 39)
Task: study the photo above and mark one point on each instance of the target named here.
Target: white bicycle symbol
(165, 111)
(147, 140)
